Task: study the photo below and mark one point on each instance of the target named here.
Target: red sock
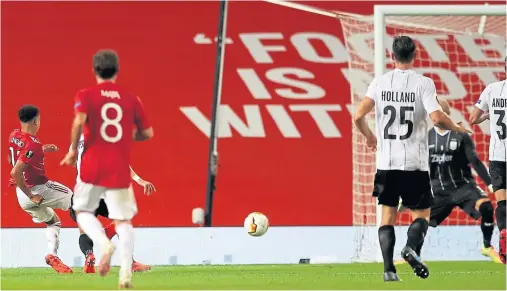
(110, 230)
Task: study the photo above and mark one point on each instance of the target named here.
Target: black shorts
(464, 197)
(101, 211)
(497, 173)
(414, 188)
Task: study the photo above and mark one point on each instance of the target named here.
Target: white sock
(92, 227)
(125, 233)
(53, 237)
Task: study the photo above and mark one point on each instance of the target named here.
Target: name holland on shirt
(395, 96)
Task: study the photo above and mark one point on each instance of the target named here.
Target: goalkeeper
(453, 185)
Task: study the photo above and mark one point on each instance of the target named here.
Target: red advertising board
(285, 146)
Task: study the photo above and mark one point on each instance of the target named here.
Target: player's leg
(386, 193)
(53, 238)
(86, 246)
(122, 207)
(497, 170)
(486, 210)
(110, 231)
(44, 213)
(472, 200)
(417, 196)
(86, 201)
(53, 233)
(441, 208)
(500, 221)
(415, 240)
(387, 240)
(103, 211)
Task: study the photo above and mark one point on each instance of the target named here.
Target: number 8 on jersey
(111, 112)
(114, 122)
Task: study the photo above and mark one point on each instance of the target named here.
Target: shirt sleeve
(28, 153)
(482, 103)
(80, 105)
(429, 96)
(473, 158)
(140, 118)
(370, 92)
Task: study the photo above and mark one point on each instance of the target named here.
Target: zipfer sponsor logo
(441, 158)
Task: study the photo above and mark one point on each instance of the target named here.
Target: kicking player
(402, 100)
(453, 184)
(109, 119)
(492, 104)
(86, 244)
(37, 195)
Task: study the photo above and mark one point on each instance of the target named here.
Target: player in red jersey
(37, 195)
(85, 243)
(109, 118)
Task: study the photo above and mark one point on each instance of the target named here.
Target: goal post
(389, 21)
(461, 47)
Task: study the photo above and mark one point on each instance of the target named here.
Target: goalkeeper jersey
(451, 155)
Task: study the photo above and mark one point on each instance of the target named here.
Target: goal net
(462, 54)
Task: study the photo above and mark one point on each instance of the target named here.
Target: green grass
(443, 275)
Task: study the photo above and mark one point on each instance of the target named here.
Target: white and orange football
(256, 224)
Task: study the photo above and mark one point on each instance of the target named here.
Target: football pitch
(443, 276)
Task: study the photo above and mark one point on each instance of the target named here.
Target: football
(256, 224)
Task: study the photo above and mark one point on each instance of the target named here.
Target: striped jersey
(451, 155)
(403, 100)
(494, 100)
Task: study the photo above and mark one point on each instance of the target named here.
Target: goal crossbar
(381, 11)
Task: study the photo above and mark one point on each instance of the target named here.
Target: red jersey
(112, 115)
(26, 148)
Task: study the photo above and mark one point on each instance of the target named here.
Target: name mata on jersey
(403, 99)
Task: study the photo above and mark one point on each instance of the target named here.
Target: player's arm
(17, 174)
(148, 186)
(22, 164)
(480, 112)
(478, 117)
(366, 105)
(473, 158)
(134, 175)
(77, 130)
(50, 148)
(360, 117)
(143, 131)
(442, 120)
(142, 135)
(434, 110)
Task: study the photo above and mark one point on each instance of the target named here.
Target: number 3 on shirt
(503, 133)
(115, 122)
(392, 111)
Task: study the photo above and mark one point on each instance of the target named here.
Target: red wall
(46, 57)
